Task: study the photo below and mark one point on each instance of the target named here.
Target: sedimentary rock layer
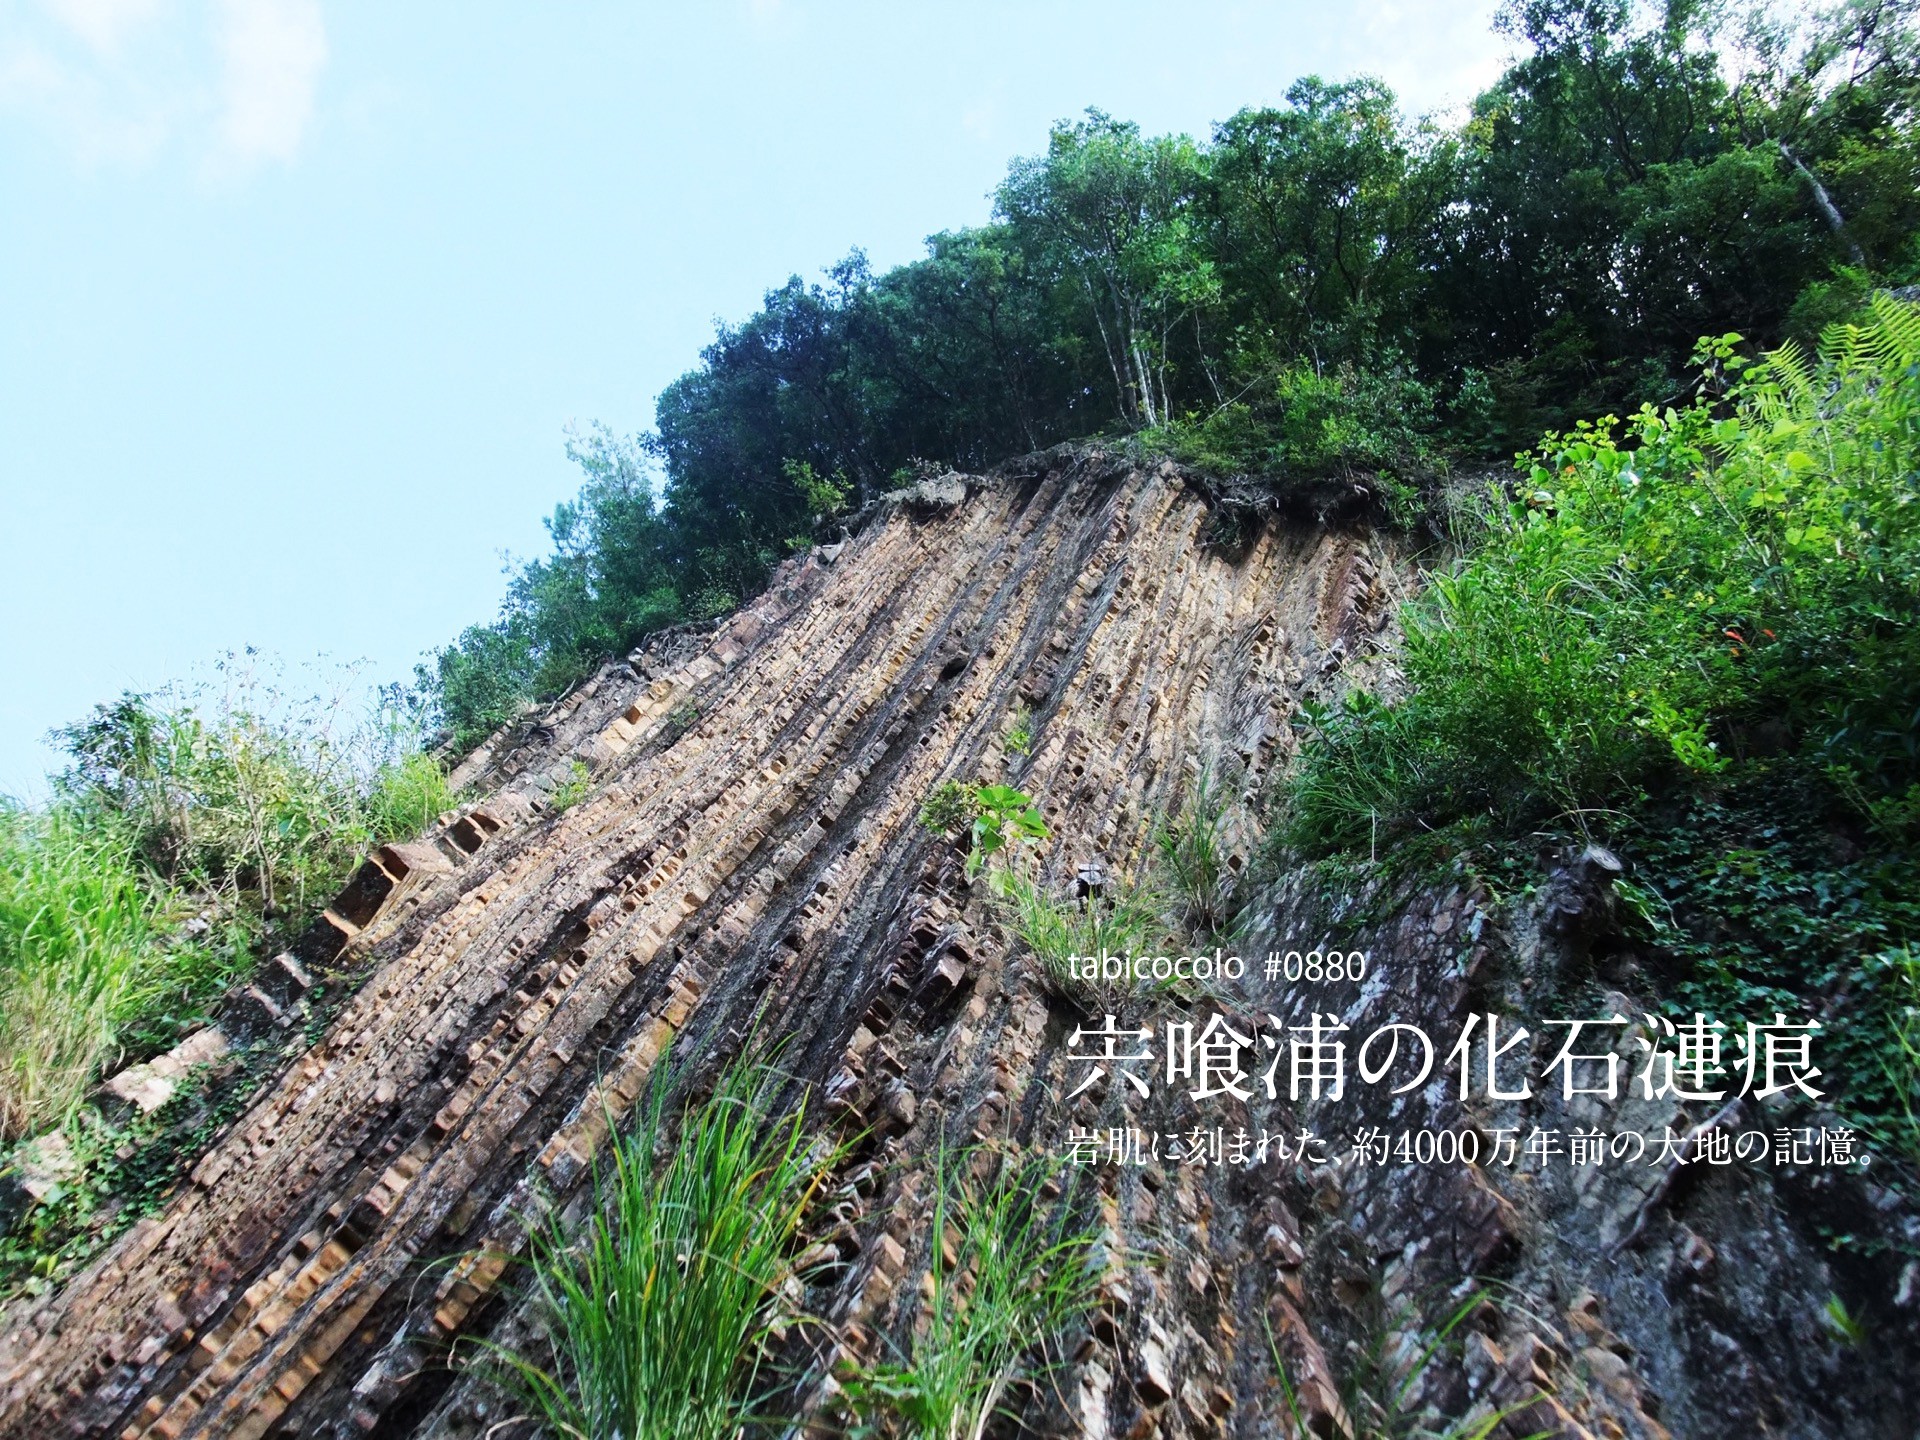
(746, 865)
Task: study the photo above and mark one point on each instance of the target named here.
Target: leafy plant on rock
(1003, 818)
(948, 809)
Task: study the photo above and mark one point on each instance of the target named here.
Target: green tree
(1321, 214)
(1323, 296)
(1116, 210)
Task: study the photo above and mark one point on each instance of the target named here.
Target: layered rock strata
(747, 864)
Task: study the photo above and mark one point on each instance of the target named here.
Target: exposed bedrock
(747, 862)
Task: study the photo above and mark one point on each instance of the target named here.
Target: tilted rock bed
(747, 863)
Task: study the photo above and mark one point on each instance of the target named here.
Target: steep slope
(748, 862)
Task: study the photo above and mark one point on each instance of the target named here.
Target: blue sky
(297, 297)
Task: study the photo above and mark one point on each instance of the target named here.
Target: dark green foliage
(1372, 430)
(1707, 649)
(611, 581)
(1620, 200)
(481, 681)
(1761, 897)
(1320, 214)
(244, 798)
(1736, 585)
(1321, 295)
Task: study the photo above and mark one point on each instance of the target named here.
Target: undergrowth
(1757, 897)
(660, 1310)
(1718, 583)
(1010, 1271)
(192, 832)
(123, 1170)
(1694, 638)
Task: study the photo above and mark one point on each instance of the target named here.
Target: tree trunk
(1824, 203)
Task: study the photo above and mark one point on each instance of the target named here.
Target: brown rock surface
(748, 861)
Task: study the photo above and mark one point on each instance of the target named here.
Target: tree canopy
(1319, 287)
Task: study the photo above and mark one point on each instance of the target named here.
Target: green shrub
(824, 495)
(660, 1311)
(484, 679)
(93, 961)
(573, 789)
(948, 808)
(1008, 1275)
(407, 797)
(1117, 920)
(617, 574)
(997, 819)
(1701, 644)
(1726, 583)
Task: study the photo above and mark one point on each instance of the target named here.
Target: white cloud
(233, 82)
(102, 24)
(1436, 57)
(92, 110)
(272, 53)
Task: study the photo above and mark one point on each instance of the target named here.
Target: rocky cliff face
(747, 862)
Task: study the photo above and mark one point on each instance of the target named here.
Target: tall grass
(1193, 853)
(1378, 1394)
(1008, 1275)
(1126, 921)
(235, 805)
(407, 796)
(79, 953)
(661, 1309)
